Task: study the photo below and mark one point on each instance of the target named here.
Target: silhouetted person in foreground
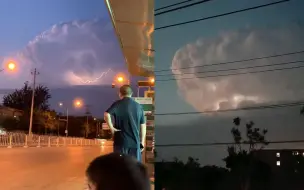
(117, 172)
(129, 120)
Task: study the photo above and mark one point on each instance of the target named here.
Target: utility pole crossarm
(34, 73)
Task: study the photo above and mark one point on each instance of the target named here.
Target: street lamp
(120, 79)
(78, 103)
(10, 66)
(66, 120)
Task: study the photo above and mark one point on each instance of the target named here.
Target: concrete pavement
(60, 168)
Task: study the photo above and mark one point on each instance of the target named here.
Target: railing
(11, 140)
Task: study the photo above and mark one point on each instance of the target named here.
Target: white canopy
(133, 21)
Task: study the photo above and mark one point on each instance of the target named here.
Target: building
(10, 112)
(287, 167)
(281, 160)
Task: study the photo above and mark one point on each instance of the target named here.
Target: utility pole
(34, 73)
(87, 113)
(67, 123)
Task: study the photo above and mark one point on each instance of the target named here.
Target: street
(57, 168)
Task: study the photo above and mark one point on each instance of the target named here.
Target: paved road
(46, 168)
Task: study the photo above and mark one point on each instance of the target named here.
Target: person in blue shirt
(129, 121)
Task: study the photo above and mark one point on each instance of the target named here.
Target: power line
(273, 106)
(173, 5)
(227, 143)
(235, 69)
(182, 7)
(236, 61)
(220, 15)
(234, 74)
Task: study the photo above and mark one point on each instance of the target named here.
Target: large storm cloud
(71, 53)
(241, 90)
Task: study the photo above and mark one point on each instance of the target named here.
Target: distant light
(11, 66)
(78, 102)
(60, 104)
(278, 163)
(278, 154)
(152, 80)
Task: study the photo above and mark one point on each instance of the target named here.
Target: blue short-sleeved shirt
(128, 116)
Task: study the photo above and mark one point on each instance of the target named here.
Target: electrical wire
(236, 61)
(221, 15)
(271, 106)
(234, 74)
(182, 7)
(227, 143)
(173, 5)
(235, 69)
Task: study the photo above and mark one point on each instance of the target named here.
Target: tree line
(244, 169)
(46, 120)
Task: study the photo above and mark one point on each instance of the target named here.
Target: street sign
(143, 100)
(147, 104)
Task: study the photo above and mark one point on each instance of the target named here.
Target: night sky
(267, 31)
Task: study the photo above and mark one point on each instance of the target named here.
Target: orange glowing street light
(120, 79)
(152, 80)
(11, 66)
(78, 103)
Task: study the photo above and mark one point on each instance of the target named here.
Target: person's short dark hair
(118, 172)
(126, 90)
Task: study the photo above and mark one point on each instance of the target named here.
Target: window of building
(295, 153)
(278, 163)
(278, 154)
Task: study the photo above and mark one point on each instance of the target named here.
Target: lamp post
(66, 120)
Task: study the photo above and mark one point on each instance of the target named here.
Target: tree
(241, 158)
(47, 119)
(21, 98)
(178, 175)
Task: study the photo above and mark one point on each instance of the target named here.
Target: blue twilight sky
(70, 42)
(23, 20)
(271, 30)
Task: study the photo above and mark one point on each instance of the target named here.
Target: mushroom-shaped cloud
(234, 91)
(72, 53)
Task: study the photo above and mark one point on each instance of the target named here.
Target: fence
(22, 140)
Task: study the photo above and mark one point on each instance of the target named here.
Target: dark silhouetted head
(117, 172)
(125, 91)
